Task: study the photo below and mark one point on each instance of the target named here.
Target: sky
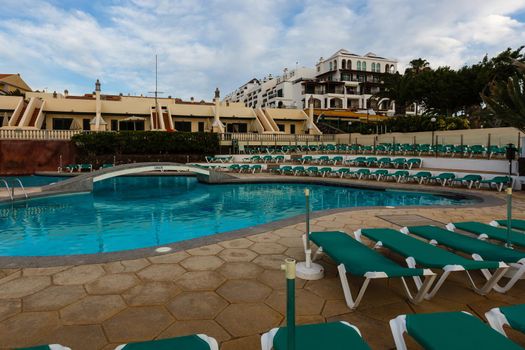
(204, 44)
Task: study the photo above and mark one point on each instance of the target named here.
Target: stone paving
(233, 291)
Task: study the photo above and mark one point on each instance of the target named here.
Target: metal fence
(276, 138)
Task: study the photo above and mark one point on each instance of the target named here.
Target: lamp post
(433, 121)
(308, 270)
(511, 154)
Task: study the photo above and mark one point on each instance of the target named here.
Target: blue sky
(203, 44)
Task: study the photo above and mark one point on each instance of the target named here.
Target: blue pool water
(137, 212)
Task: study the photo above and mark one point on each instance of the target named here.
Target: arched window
(378, 67)
(358, 65)
(363, 65)
(343, 64)
(387, 70)
(349, 64)
(330, 66)
(373, 67)
(335, 64)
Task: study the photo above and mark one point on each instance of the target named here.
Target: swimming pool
(136, 212)
(34, 180)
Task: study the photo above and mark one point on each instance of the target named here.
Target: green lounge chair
(341, 172)
(419, 177)
(470, 180)
(442, 178)
(322, 160)
(82, 167)
(279, 159)
(485, 231)
(256, 168)
(356, 161)
(336, 159)
(210, 159)
(418, 253)
(399, 162)
(496, 151)
(512, 316)
(312, 171)
(333, 335)
(360, 260)
(286, 169)
(378, 174)
(384, 162)
(305, 159)
(188, 342)
(515, 224)
(371, 161)
(413, 163)
(71, 167)
(498, 181)
(450, 331)
(47, 347)
(267, 159)
(362, 173)
(477, 150)
(234, 167)
(478, 249)
(244, 168)
(325, 170)
(107, 166)
(398, 176)
(252, 159)
(298, 170)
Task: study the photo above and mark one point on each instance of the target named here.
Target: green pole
(509, 216)
(307, 197)
(289, 268)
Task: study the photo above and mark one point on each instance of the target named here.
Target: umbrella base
(312, 273)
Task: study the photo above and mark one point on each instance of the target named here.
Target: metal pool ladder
(11, 191)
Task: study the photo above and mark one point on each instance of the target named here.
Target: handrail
(4, 181)
(21, 186)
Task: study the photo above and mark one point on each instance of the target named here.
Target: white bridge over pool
(84, 182)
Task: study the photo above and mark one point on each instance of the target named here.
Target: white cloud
(203, 44)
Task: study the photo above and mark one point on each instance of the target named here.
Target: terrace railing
(276, 138)
(19, 134)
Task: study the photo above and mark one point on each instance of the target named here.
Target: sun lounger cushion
(467, 244)
(357, 258)
(190, 342)
(333, 336)
(516, 223)
(515, 314)
(425, 254)
(455, 331)
(492, 232)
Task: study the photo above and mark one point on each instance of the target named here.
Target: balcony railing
(19, 134)
(252, 137)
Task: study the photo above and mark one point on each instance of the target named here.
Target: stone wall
(25, 157)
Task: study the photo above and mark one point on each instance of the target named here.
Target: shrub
(146, 142)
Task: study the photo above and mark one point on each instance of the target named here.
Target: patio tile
(268, 248)
(201, 263)
(200, 280)
(237, 254)
(244, 291)
(77, 337)
(92, 309)
(273, 261)
(276, 280)
(23, 286)
(54, 298)
(9, 307)
(335, 307)
(126, 266)
(112, 284)
(235, 270)
(78, 275)
(26, 329)
(326, 288)
(42, 271)
(307, 303)
(171, 258)
(151, 293)
(291, 242)
(196, 305)
(239, 320)
(137, 323)
(266, 237)
(295, 253)
(289, 232)
(180, 328)
(212, 249)
(161, 272)
(236, 243)
(244, 343)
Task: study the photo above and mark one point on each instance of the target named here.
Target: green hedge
(146, 142)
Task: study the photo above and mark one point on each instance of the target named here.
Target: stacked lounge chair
(485, 231)
(515, 224)
(512, 316)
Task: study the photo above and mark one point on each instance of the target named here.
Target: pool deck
(232, 290)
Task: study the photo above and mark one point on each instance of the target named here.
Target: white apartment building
(342, 81)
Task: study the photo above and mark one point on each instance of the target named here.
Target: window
(335, 65)
(330, 64)
(131, 125)
(114, 125)
(292, 128)
(349, 64)
(280, 93)
(201, 126)
(85, 124)
(183, 126)
(363, 65)
(378, 67)
(237, 127)
(62, 123)
(346, 77)
(282, 127)
(343, 64)
(373, 67)
(358, 65)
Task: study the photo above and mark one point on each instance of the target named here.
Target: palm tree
(506, 99)
(417, 66)
(397, 88)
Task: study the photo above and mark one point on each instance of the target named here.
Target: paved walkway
(233, 291)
